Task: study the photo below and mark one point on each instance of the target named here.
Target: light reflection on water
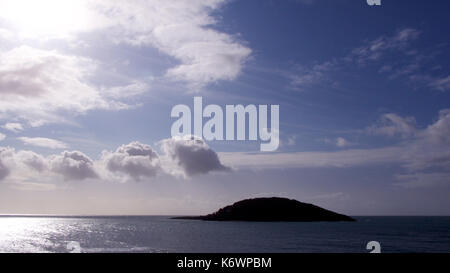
(162, 234)
(53, 234)
(23, 234)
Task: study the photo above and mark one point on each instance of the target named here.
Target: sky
(87, 88)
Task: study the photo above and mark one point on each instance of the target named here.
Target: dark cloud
(193, 155)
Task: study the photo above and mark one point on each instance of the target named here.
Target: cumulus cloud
(73, 165)
(135, 160)
(13, 127)
(187, 156)
(18, 163)
(43, 142)
(192, 155)
(32, 160)
(131, 162)
(25, 166)
(2, 136)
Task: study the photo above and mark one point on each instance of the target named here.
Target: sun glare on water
(32, 18)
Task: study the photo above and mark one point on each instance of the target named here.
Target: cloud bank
(131, 162)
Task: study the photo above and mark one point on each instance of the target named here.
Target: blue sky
(87, 88)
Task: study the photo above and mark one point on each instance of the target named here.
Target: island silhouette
(272, 209)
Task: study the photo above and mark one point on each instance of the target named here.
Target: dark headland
(273, 209)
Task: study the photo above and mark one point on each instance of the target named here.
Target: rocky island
(273, 209)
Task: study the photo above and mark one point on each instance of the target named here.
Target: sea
(161, 234)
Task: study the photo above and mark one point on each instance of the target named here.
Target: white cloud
(32, 160)
(2, 137)
(342, 142)
(433, 82)
(394, 125)
(73, 165)
(192, 155)
(339, 159)
(36, 85)
(441, 84)
(18, 166)
(13, 127)
(43, 142)
(133, 89)
(375, 49)
(431, 147)
(42, 86)
(305, 77)
(183, 30)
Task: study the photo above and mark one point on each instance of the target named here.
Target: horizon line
(176, 215)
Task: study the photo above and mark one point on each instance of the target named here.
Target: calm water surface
(162, 234)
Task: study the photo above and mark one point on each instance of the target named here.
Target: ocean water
(162, 234)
